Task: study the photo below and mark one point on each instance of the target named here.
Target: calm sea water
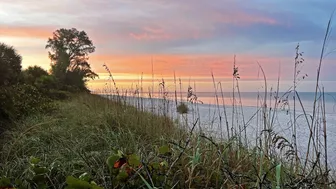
(253, 99)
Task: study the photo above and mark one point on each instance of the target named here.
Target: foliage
(18, 96)
(22, 99)
(33, 73)
(40, 78)
(10, 65)
(182, 108)
(69, 50)
(6, 107)
(46, 83)
(81, 183)
(30, 91)
(40, 176)
(59, 94)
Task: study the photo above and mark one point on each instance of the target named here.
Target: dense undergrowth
(79, 136)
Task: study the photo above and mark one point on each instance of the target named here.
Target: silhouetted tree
(10, 65)
(69, 53)
(40, 78)
(33, 73)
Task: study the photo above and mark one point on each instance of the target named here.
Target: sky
(188, 38)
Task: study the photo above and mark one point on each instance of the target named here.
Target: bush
(32, 74)
(45, 84)
(10, 65)
(30, 100)
(182, 108)
(20, 100)
(59, 95)
(6, 107)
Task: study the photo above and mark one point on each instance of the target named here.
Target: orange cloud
(129, 70)
(197, 66)
(25, 31)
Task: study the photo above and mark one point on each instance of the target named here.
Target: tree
(10, 65)
(69, 54)
(33, 73)
(40, 78)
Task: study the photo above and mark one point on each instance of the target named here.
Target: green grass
(86, 135)
(84, 131)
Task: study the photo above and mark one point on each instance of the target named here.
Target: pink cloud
(26, 31)
(150, 36)
(187, 65)
(167, 33)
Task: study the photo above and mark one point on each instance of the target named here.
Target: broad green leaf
(18, 182)
(5, 182)
(111, 160)
(42, 186)
(85, 177)
(133, 160)
(122, 176)
(34, 160)
(164, 150)
(120, 153)
(155, 165)
(74, 183)
(164, 164)
(40, 170)
(93, 186)
(38, 178)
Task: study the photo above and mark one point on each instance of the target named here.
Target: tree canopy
(32, 73)
(69, 51)
(10, 65)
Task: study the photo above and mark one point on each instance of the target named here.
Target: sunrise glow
(190, 39)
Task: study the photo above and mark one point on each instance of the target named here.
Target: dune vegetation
(56, 134)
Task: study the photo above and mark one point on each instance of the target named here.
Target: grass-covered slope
(92, 142)
(80, 135)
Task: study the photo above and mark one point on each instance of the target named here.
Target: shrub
(59, 95)
(29, 99)
(32, 74)
(46, 83)
(182, 108)
(20, 100)
(6, 107)
(10, 65)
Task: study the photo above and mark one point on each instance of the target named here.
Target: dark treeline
(33, 89)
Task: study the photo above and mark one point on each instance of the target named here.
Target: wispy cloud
(25, 31)
(190, 37)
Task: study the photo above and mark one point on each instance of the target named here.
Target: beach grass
(85, 132)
